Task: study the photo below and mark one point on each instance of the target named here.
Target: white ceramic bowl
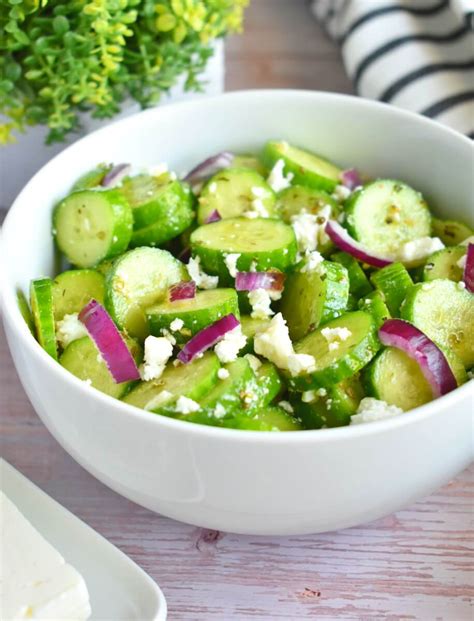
(246, 482)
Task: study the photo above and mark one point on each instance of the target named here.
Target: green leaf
(60, 24)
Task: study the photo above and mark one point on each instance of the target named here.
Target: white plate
(118, 588)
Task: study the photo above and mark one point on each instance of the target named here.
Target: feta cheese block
(35, 580)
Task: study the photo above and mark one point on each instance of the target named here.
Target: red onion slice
(215, 216)
(468, 276)
(184, 290)
(207, 337)
(249, 281)
(115, 175)
(345, 242)
(350, 178)
(109, 342)
(433, 364)
(209, 167)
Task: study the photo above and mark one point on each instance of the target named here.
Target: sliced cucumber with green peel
(249, 161)
(82, 359)
(193, 380)
(138, 280)
(397, 379)
(25, 311)
(93, 178)
(444, 264)
(250, 327)
(393, 281)
(262, 243)
(73, 289)
(445, 313)
(335, 364)
(93, 225)
(232, 192)
(41, 300)
(385, 214)
(269, 418)
(195, 313)
(268, 385)
(374, 304)
(307, 168)
(451, 232)
(233, 393)
(321, 295)
(162, 208)
(359, 284)
(301, 199)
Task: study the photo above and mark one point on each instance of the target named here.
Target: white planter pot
(20, 161)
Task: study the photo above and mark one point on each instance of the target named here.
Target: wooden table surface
(416, 564)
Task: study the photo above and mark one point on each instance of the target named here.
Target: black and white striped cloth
(416, 54)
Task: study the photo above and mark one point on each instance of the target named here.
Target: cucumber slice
(297, 199)
(232, 192)
(349, 357)
(385, 214)
(93, 178)
(104, 266)
(334, 407)
(250, 327)
(73, 289)
(193, 380)
(41, 300)
(307, 168)
(451, 232)
(393, 281)
(139, 279)
(444, 264)
(92, 225)
(269, 243)
(82, 359)
(249, 161)
(445, 313)
(269, 418)
(196, 313)
(321, 295)
(374, 304)
(25, 311)
(268, 385)
(396, 379)
(359, 284)
(162, 208)
(233, 393)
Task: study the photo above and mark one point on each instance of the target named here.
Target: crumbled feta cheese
(186, 406)
(88, 381)
(462, 262)
(254, 362)
(176, 324)
(160, 399)
(202, 280)
(313, 262)
(467, 241)
(334, 336)
(212, 187)
(253, 266)
(461, 285)
(277, 179)
(167, 335)
(274, 343)
(259, 192)
(309, 228)
(370, 410)
(308, 396)
(321, 392)
(251, 215)
(286, 405)
(158, 169)
(418, 249)
(69, 328)
(219, 411)
(228, 348)
(260, 301)
(231, 263)
(341, 193)
(158, 350)
(223, 373)
(258, 210)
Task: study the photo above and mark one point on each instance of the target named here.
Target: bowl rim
(13, 315)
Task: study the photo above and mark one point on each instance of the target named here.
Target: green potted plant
(67, 66)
